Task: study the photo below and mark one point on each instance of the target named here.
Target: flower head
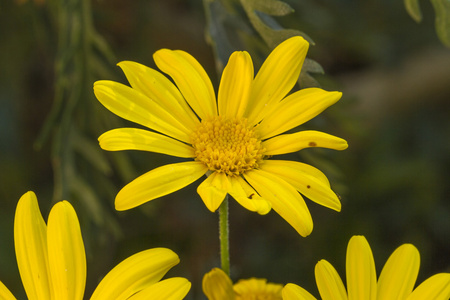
(396, 281)
(231, 139)
(218, 286)
(52, 261)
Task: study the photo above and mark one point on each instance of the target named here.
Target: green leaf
(259, 13)
(220, 23)
(413, 9)
(272, 7)
(310, 66)
(442, 21)
(88, 197)
(91, 152)
(313, 66)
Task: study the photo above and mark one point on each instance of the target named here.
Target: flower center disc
(228, 146)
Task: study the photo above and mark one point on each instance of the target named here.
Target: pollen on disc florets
(228, 146)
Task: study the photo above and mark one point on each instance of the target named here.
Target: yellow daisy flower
(396, 281)
(231, 139)
(52, 261)
(218, 286)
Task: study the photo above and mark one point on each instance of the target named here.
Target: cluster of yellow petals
(217, 285)
(257, 289)
(227, 145)
(52, 261)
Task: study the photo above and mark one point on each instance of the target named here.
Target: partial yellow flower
(218, 286)
(52, 261)
(396, 281)
(231, 139)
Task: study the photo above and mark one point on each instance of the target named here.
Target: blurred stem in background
(81, 169)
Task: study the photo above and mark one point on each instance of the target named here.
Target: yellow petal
(329, 282)
(159, 182)
(169, 289)
(217, 285)
(246, 196)
(297, 174)
(143, 140)
(276, 78)
(285, 200)
(361, 273)
(295, 110)
(213, 190)
(30, 239)
(5, 294)
(67, 258)
(134, 106)
(294, 292)
(293, 142)
(235, 85)
(135, 273)
(437, 287)
(399, 274)
(159, 88)
(191, 79)
(302, 167)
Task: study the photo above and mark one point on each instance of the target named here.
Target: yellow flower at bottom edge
(218, 286)
(230, 139)
(52, 261)
(396, 281)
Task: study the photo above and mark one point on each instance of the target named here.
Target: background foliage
(393, 179)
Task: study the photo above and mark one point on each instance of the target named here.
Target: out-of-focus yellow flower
(218, 286)
(396, 281)
(230, 139)
(52, 261)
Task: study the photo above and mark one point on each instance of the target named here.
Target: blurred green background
(393, 179)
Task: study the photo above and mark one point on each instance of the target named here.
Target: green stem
(224, 236)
